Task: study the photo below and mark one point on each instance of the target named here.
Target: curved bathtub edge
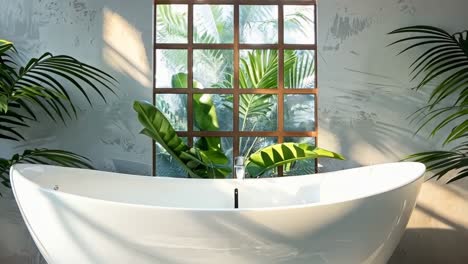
(421, 172)
(35, 238)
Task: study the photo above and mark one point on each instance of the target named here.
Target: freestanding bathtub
(92, 217)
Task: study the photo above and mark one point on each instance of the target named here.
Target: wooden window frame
(280, 91)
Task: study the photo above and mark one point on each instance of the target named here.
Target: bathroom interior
(236, 131)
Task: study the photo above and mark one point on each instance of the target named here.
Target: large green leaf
(205, 119)
(157, 127)
(281, 154)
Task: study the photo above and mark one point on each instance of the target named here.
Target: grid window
(242, 72)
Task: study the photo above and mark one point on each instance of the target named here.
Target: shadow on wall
(366, 119)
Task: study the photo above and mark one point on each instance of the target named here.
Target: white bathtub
(350, 216)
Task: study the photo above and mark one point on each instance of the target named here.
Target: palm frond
(42, 156)
(45, 83)
(443, 162)
(446, 61)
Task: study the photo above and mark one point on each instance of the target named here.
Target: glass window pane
(299, 112)
(213, 68)
(174, 108)
(299, 24)
(211, 112)
(258, 69)
(250, 145)
(166, 166)
(171, 23)
(213, 24)
(171, 68)
(299, 69)
(258, 24)
(258, 112)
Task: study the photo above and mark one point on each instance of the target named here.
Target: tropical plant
(444, 63)
(205, 162)
(43, 84)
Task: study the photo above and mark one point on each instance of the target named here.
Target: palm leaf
(36, 85)
(442, 162)
(280, 154)
(445, 60)
(42, 156)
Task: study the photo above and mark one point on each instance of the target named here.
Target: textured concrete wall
(364, 101)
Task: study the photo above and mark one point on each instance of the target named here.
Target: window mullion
(235, 114)
(190, 75)
(280, 80)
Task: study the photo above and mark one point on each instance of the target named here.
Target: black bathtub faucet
(236, 198)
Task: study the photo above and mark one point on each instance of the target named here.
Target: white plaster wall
(364, 100)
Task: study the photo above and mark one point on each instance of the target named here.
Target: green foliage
(444, 161)
(205, 161)
(280, 154)
(43, 84)
(42, 156)
(444, 62)
(209, 149)
(202, 161)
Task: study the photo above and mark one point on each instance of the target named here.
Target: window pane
(166, 165)
(258, 24)
(250, 145)
(174, 108)
(171, 68)
(299, 112)
(224, 145)
(210, 112)
(213, 24)
(299, 69)
(258, 69)
(213, 68)
(302, 167)
(171, 24)
(258, 112)
(299, 24)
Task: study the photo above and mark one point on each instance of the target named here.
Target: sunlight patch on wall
(124, 48)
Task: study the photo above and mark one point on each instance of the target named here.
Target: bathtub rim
(421, 172)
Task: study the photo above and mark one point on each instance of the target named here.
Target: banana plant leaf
(157, 127)
(205, 119)
(280, 154)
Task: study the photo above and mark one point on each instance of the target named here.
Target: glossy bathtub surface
(91, 217)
